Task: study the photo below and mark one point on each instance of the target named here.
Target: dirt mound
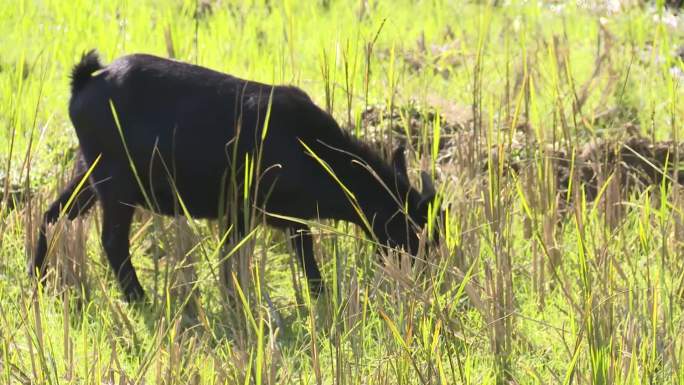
(11, 195)
(408, 124)
(634, 163)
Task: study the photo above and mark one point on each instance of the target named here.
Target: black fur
(80, 75)
(189, 129)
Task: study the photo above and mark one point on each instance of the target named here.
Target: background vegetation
(543, 275)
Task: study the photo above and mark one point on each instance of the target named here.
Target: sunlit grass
(524, 287)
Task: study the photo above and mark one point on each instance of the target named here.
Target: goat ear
(399, 162)
(428, 191)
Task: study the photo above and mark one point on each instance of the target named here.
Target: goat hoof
(134, 294)
(316, 288)
(34, 271)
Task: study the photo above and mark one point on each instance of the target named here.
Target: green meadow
(551, 130)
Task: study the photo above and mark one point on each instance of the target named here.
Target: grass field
(543, 276)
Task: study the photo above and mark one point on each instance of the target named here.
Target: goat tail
(80, 75)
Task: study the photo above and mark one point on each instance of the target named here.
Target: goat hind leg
(83, 200)
(303, 245)
(116, 225)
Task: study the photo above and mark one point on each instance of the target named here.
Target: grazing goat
(159, 133)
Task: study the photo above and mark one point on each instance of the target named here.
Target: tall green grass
(524, 288)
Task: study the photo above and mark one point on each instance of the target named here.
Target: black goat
(168, 133)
